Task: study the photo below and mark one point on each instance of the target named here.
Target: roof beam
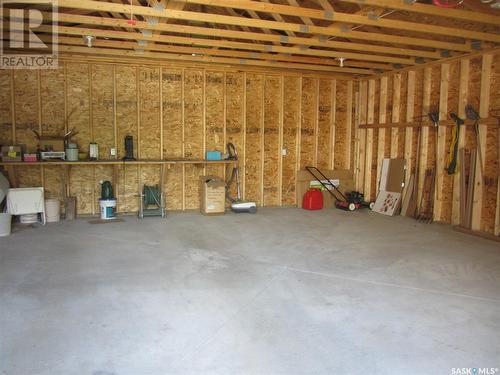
(204, 17)
(431, 10)
(351, 18)
(206, 59)
(70, 30)
(216, 52)
(195, 30)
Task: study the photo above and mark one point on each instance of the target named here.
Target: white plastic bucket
(5, 222)
(52, 210)
(107, 208)
(28, 218)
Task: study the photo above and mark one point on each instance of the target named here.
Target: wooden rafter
(351, 18)
(253, 36)
(68, 30)
(432, 10)
(220, 19)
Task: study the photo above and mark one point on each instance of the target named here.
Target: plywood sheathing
(253, 136)
(193, 134)
(107, 101)
(234, 127)
(309, 105)
(272, 154)
(53, 123)
(6, 99)
(291, 125)
(448, 88)
(126, 79)
(326, 122)
(172, 95)
(214, 118)
(342, 140)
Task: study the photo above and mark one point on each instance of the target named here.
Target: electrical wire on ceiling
(447, 3)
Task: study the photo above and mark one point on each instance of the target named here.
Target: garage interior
(396, 100)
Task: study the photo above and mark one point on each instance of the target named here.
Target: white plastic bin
(5, 224)
(52, 210)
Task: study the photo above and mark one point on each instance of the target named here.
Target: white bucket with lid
(28, 218)
(52, 210)
(107, 208)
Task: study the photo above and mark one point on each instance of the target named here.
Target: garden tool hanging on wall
(453, 153)
(473, 115)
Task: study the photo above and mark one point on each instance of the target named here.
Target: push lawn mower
(351, 201)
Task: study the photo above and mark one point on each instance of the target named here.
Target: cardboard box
(12, 153)
(212, 195)
(304, 178)
(392, 179)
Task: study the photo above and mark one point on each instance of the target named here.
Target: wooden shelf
(491, 121)
(117, 162)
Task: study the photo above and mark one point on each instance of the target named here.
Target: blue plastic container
(213, 155)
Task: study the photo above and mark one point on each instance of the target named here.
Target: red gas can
(313, 200)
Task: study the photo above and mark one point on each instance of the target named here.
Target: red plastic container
(313, 200)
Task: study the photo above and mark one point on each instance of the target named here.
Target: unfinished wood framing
(444, 88)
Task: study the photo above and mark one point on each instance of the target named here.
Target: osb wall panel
(6, 106)
(235, 132)
(193, 134)
(308, 125)
(489, 200)
(172, 95)
(177, 112)
(26, 117)
(214, 118)
(253, 136)
(126, 117)
(492, 170)
(326, 119)
(291, 124)
(102, 110)
(52, 101)
(272, 159)
(149, 134)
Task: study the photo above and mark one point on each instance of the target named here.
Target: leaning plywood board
(291, 123)
(484, 105)
(458, 190)
(253, 137)
(193, 135)
(172, 96)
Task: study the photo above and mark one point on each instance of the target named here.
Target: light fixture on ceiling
(89, 39)
(341, 61)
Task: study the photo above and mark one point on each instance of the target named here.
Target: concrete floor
(284, 291)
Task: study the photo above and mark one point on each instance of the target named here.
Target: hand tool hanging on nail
(453, 153)
(472, 114)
